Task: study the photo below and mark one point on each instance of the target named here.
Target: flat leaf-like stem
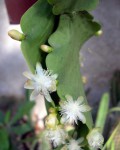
(72, 32)
(68, 6)
(37, 25)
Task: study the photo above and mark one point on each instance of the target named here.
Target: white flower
(72, 110)
(42, 82)
(75, 144)
(95, 139)
(56, 136)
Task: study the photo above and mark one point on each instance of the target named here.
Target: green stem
(53, 104)
(109, 141)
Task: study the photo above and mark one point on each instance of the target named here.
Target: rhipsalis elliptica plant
(53, 33)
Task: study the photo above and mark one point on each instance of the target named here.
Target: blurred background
(101, 55)
(12, 63)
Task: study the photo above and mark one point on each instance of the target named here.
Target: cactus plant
(61, 27)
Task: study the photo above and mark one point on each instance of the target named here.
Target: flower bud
(57, 82)
(52, 110)
(46, 48)
(99, 33)
(95, 138)
(84, 79)
(51, 121)
(16, 35)
(64, 147)
(69, 128)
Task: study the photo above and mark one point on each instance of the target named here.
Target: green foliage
(115, 88)
(37, 24)
(7, 117)
(44, 143)
(72, 32)
(69, 6)
(4, 139)
(24, 109)
(58, 148)
(110, 142)
(114, 109)
(113, 145)
(10, 126)
(103, 111)
(82, 131)
(1, 117)
(21, 129)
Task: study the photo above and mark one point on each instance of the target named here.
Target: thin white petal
(80, 99)
(69, 97)
(34, 95)
(63, 120)
(80, 140)
(54, 76)
(39, 69)
(53, 86)
(85, 108)
(47, 95)
(29, 84)
(82, 118)
(28, 75)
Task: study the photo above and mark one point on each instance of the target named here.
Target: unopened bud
(69, 128)
(52, 110)
(64, 148)
(56, 82)
(51, 121)
(46, 48)
(84, 79)
(99, 33)
(16, 35)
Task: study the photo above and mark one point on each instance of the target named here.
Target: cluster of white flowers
(73, 110)
(42, 82)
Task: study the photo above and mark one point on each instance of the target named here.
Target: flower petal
(54, 76)
(28, 75)
(63, 120)
(80, 140)
(80, 99)
(82, 118)
(85, 108)
(39, 69)
(34, 95)
(68, 97)
(53, 86)
(29, 84)
(47, 95)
